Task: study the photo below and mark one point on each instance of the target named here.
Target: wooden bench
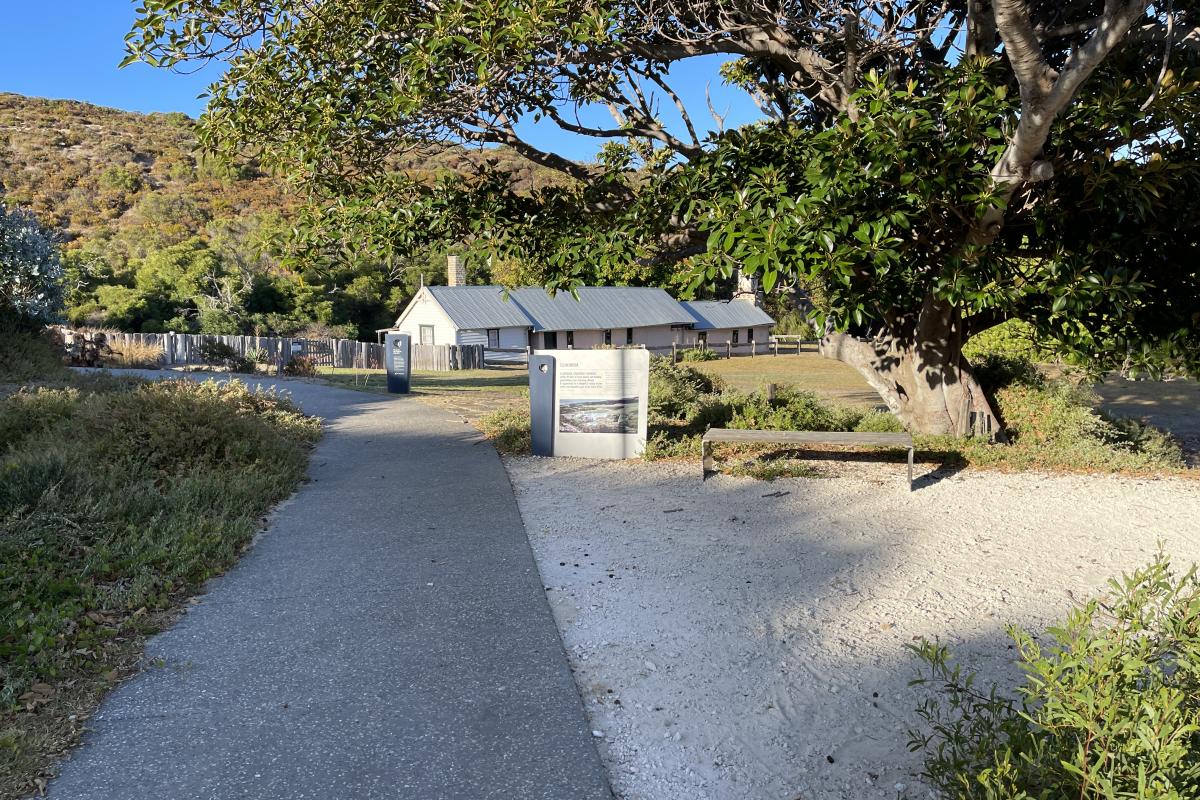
(897, 440)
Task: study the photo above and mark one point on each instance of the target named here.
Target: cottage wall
(424, 310)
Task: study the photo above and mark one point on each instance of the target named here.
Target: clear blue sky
(70, 49)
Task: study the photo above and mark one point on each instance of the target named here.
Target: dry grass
(134, 355)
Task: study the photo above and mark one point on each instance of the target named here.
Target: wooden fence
(185, 348)
(447, 357)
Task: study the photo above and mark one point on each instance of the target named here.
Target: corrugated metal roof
(600, 308)
(716, 314)
(479, 307)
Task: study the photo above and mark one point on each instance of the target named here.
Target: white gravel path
(732, 644)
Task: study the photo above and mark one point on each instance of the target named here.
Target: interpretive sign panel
(600, 402)
(397, 348)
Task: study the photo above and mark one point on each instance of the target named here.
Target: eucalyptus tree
(935, 166)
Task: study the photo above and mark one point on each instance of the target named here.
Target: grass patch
(508, 428)
(118, 499)
(807, 370)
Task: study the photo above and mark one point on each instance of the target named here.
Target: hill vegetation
(158, 236)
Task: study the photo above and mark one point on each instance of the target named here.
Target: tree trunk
(921, 374)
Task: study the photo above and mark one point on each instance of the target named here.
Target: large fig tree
(936, 167)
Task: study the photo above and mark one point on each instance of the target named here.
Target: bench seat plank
(809, 437)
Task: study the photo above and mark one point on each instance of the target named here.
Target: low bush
(793, 410)
(698, 354)
(300, 367)
(26, 353)
(509, 429)
(876, 421)
(1055, 426)
(117, 499)
(1109, 706)
(219, 354)
(675, 389)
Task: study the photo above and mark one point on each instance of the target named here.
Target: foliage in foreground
(117, 499)
(1109, 707)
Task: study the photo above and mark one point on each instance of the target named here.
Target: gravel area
(741, 639)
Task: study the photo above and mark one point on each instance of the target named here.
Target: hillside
(160, 236)
(86, 169)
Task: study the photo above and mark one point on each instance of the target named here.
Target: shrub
(1108, 709)
(879, 422)
(31, 273)
(222, 355)
(675, 389)
(793, 410)
(300, 367)
(660, 445)
(698, 354)
(26, 353)
(509, 429)
(216, 353)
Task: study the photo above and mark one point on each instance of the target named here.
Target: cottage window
(750, 335)
(426, 334)
(608, 336)
(570, 339)
(494, 338)
(550, 340)
(629, 336)
(735, 336)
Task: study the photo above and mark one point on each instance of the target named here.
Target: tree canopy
(933, 167)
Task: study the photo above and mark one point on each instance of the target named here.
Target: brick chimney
(747, 289)
(456, 271)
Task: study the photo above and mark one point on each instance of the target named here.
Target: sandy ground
(740, 639)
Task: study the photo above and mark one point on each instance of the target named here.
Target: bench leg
(706, 458)
(910, 468)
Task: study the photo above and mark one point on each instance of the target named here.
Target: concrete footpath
(387, 637)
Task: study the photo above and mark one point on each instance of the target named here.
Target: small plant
(301, 367)
(509, 429)
(1109, 709)
(698, 354)
(258, 355)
